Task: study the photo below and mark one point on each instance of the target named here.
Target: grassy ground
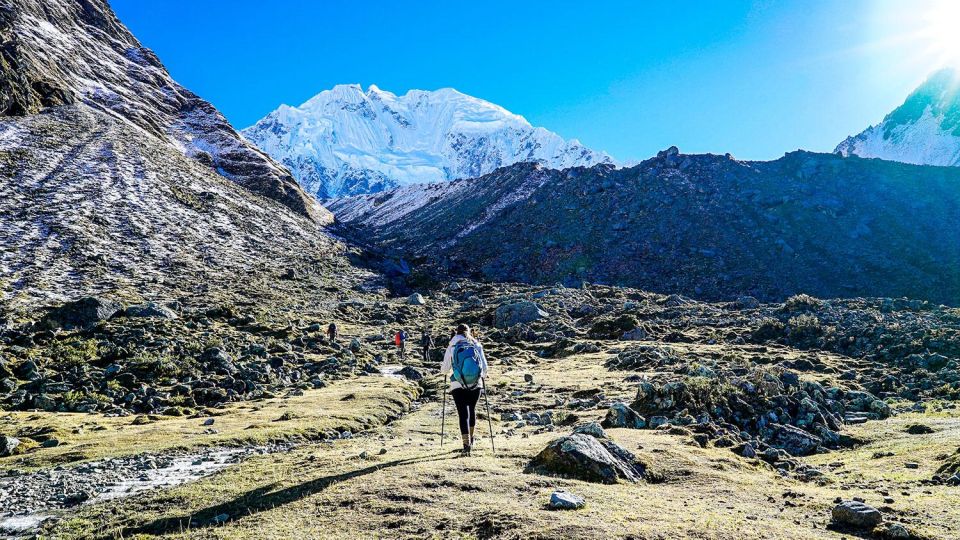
(396, 481)
(354, 405)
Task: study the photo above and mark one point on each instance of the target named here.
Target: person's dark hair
(463, 330)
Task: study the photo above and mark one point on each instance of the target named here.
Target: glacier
(347, 141)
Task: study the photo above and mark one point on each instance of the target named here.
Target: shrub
(804, 328)
(802, 302)
(769, 330)
(75, 352)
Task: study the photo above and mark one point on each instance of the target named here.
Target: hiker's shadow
(260, 499)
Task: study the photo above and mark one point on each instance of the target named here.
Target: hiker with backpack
(332, 333)
(400, 340)
(426, 342)
(467, 365)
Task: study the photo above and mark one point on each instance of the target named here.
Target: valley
(692, 346)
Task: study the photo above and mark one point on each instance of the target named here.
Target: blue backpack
(466, 364)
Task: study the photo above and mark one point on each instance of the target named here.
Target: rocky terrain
(925, 130)
(164, 367)
(771, 386)
(707, 226)
(345, 141)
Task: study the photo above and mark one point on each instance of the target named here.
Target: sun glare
(941, 32)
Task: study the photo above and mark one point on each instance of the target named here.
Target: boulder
(524, 312)
(79, 314)
(620, 415)
(217, 360)
(857, 515)
(637, 334)
(795, 441)
(8, 445)
(892, 531)
(416, 299)
(411, 373)
(564, 500)
(593, 429)
(588, 458)
(150, 310)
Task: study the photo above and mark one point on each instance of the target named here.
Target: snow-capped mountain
(346, 141)
(925, 130)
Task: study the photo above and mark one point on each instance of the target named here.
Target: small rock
(411, 373)
(564, 500)
(593, 429)
(208, 422)
(911, 465)
(528, 377)
(8, 445)
(620, 415)
(856, 514)
(416, 299)
(220, 518)
(919, 429)
(892, 531)
(637, 334)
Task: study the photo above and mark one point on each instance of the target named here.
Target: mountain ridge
(707, 226)
(346, 140)
(924, 130)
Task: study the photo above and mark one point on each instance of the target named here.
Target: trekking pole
(486, 402)
(443, 413)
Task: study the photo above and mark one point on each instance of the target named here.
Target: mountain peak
(345, 141)
(924, 130)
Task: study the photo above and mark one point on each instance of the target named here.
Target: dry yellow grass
(354, 405)
(414, 489)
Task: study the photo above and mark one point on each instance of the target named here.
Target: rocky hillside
(114, 179)
(925, 130)
(703, 225)
(346, 141)
(64, 52)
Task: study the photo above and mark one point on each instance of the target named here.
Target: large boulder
(150, 310)
(857, 515)
(524, 312)
(588, 458)
(79, 314)
(795, 441)
(620, 415)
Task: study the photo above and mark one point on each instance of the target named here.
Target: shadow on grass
(258, 500)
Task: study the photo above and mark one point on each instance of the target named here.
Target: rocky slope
(346, 141)
(113, 178)
(62, 52)
(925, 130)
(704, 225)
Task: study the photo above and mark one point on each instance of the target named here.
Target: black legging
(466, 402)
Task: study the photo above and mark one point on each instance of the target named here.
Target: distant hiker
(332, 332)
(400, 340)
(467, 365)
(426, 343)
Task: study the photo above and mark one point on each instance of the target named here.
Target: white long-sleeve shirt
(447, 365)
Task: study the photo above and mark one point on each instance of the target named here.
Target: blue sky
(753, 78)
